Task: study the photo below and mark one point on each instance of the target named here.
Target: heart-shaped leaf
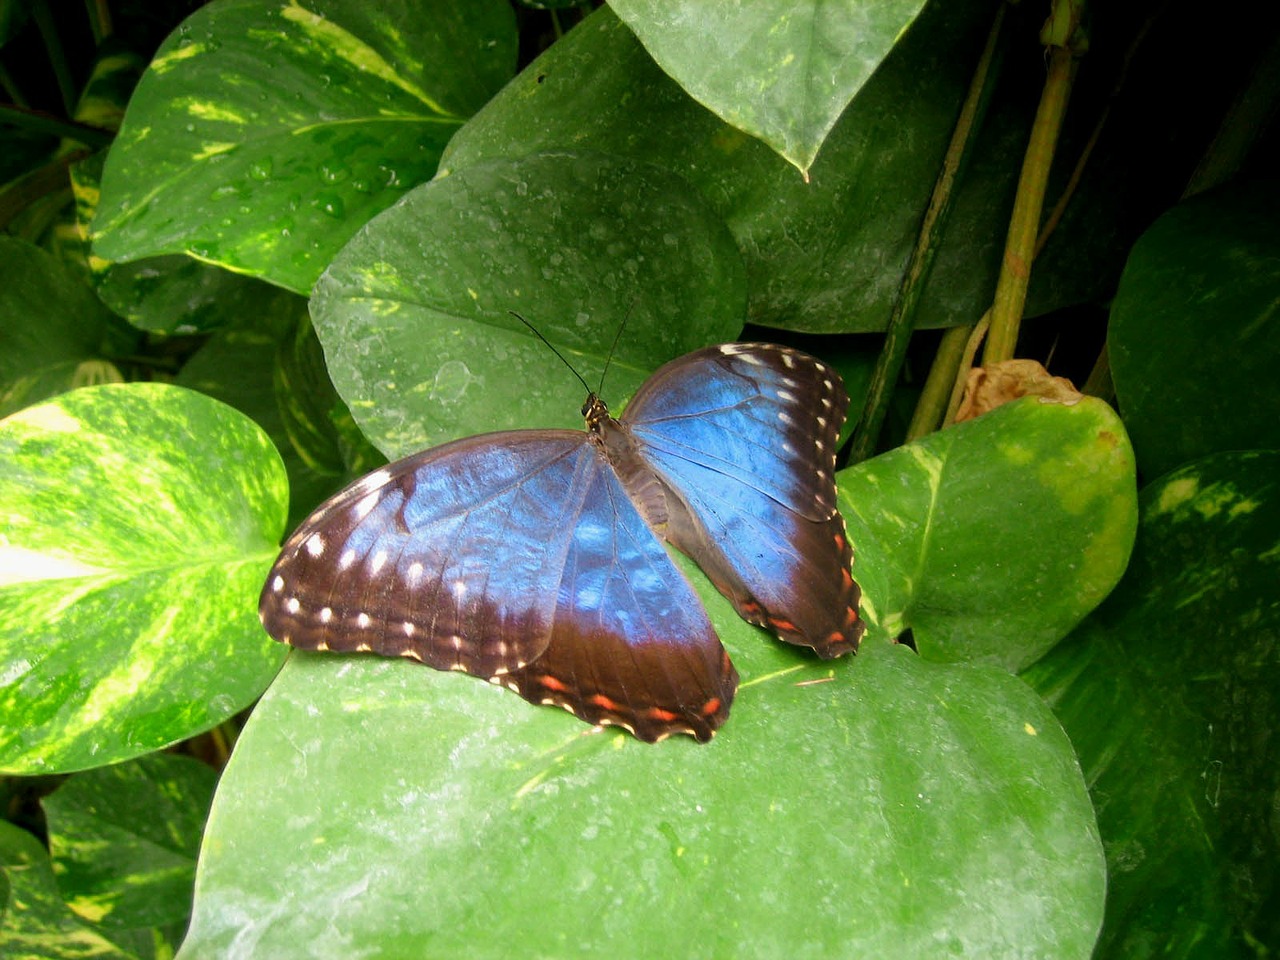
(1194, 337)
(424, 798)
(124, 839)
(991, 540)
(1169, 693)
(780, 70)
(263, 135)
(141, 519)
(34, 922)
(414, 312)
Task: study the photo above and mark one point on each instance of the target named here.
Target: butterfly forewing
(745, 436)
(760, 414)
(452, 556)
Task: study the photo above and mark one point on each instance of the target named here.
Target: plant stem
(932, 405)
(902, 318)
(1024, 224)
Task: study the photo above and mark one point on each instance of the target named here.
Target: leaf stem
(1024, 223)
(902, 318)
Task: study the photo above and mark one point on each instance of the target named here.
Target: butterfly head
(595, 412)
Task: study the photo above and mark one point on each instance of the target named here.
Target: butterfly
(534, 558)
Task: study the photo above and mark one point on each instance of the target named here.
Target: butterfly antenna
(538, 334)
(613, 346)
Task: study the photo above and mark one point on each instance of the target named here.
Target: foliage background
(253, 249)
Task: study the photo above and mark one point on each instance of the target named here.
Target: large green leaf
(51, 326)
(1194, 336)
(1169, 693)
(34, 922)
(140, 521)
(124, 839)
(991, 540)
(780, 70)
(880, 807)
(264, 134)
(413, 313)
(821, 256)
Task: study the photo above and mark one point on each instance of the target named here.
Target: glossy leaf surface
(444, 795)
(141, 519)
(991, 540)
(124, 839)
(1169, 693)
(413, 313)
(779, 70)
(263, 135)
(1194, 337)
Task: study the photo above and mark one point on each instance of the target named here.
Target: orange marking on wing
(786, 626)
(604, 703)
(551, 683)
(710, 707)
(662, 716)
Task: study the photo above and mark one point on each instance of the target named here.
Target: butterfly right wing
(518, 558)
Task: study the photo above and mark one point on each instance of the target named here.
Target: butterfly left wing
(745, 437)
(515, 557)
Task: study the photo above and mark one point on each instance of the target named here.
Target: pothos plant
(297, 257)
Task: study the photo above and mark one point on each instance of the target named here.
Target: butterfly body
(533, 558)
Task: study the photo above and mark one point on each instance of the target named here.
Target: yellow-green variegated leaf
(139, 521)
(34, 922)
(264, 134)
(124, 839)
(991, 540)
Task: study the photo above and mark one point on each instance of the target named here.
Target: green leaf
(822, 256)
(413, 314)
(124, 839)
(991, 540)
(1169, 693)
(50, 325)
(780, 70)
(1194, 338)
(263, 135)
(246, 366)
(34, 922)
(882, 806)
(141, 520)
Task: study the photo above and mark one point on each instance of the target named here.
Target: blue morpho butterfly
(534, 558)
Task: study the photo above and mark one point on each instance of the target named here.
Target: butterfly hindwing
(745, 436)
(516, 557)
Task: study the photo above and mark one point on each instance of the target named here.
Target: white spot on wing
(315, 545)
(788, 360)
(379, 559)
(379, 478)
(347, 559)
(366, 505)
(408, 628)
(292, 605)
(362, 620)
(785, 396)
(415, 572)
(786, 418)
(326, 614)
(277, 584)
(459, 589)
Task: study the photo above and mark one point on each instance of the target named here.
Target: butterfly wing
(517, 558)
(744, 435)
